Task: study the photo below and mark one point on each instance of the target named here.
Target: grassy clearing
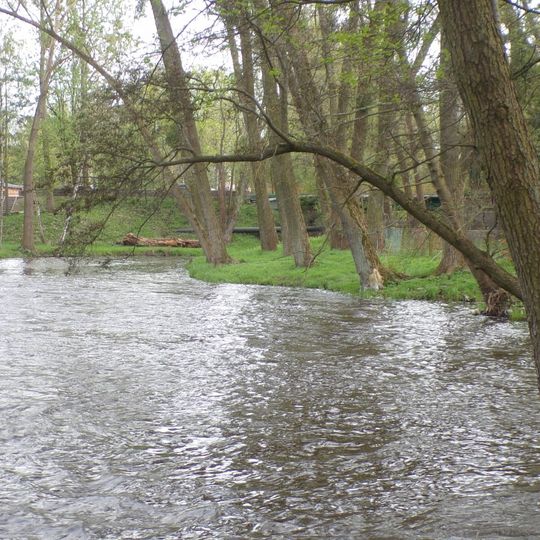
(252, 265)
(142, 216)
(108, 250)
(139, 216)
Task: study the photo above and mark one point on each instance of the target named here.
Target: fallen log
(132, 240)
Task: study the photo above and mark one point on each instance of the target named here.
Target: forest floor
(332, 269)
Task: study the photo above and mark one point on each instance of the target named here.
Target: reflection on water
(138, 403)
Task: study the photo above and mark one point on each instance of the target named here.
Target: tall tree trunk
(332, 222)
(414, 235)
(375, 212)
(211, 235)
(234, 203)
(49, 180)
(503, 137)
(245, 80)
(450, 153)
(293, 228)
(47, 46)
(385, 118)
(222, 183)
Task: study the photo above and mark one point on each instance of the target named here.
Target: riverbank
(333, 270)
(102, 222)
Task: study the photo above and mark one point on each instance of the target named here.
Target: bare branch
(522, 7)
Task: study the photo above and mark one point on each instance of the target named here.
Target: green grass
(9, 249)
(108, 250)
(252, 265)
(141, 216)
(332, 270)
(138, 216)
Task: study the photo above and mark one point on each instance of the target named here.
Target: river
(139, 403)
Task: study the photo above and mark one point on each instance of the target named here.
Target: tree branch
(479, 258)
(522, 7)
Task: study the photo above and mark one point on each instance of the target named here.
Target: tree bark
(449, 119)
(449, 204)
(503, 138)
(340, 186)
(332, 222)
(170, 174)
(293, 228)
(245, 80)
(45, 72)
(133, 240)
(49, 180)
(212, 239)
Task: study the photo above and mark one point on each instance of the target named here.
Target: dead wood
(132, 240)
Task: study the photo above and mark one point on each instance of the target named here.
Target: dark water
(138, 403)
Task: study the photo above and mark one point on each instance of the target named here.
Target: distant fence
(313, 230)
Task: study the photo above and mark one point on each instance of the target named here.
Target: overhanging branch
(456, 238)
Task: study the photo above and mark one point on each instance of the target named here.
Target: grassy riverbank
(142, 216)
(108, 227)
(332, 270)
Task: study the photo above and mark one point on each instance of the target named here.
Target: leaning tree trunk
(486, 285)
(450, 154)
(503, 138)
(187, 135)
(245, 80)
(45, 73)
(368, 267)
(308, 101)
(332, 222)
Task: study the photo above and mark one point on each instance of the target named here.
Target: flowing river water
(139, 403)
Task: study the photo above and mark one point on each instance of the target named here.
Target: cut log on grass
(132, 240)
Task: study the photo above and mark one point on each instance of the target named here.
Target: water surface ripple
(138, 403)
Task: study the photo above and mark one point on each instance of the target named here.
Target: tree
(210, 233)
(46, 68)
(276, 89)
(14, 97)
(293, 228)
(236, 19)
(449, 119)
(503, 138)
(308, 100)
